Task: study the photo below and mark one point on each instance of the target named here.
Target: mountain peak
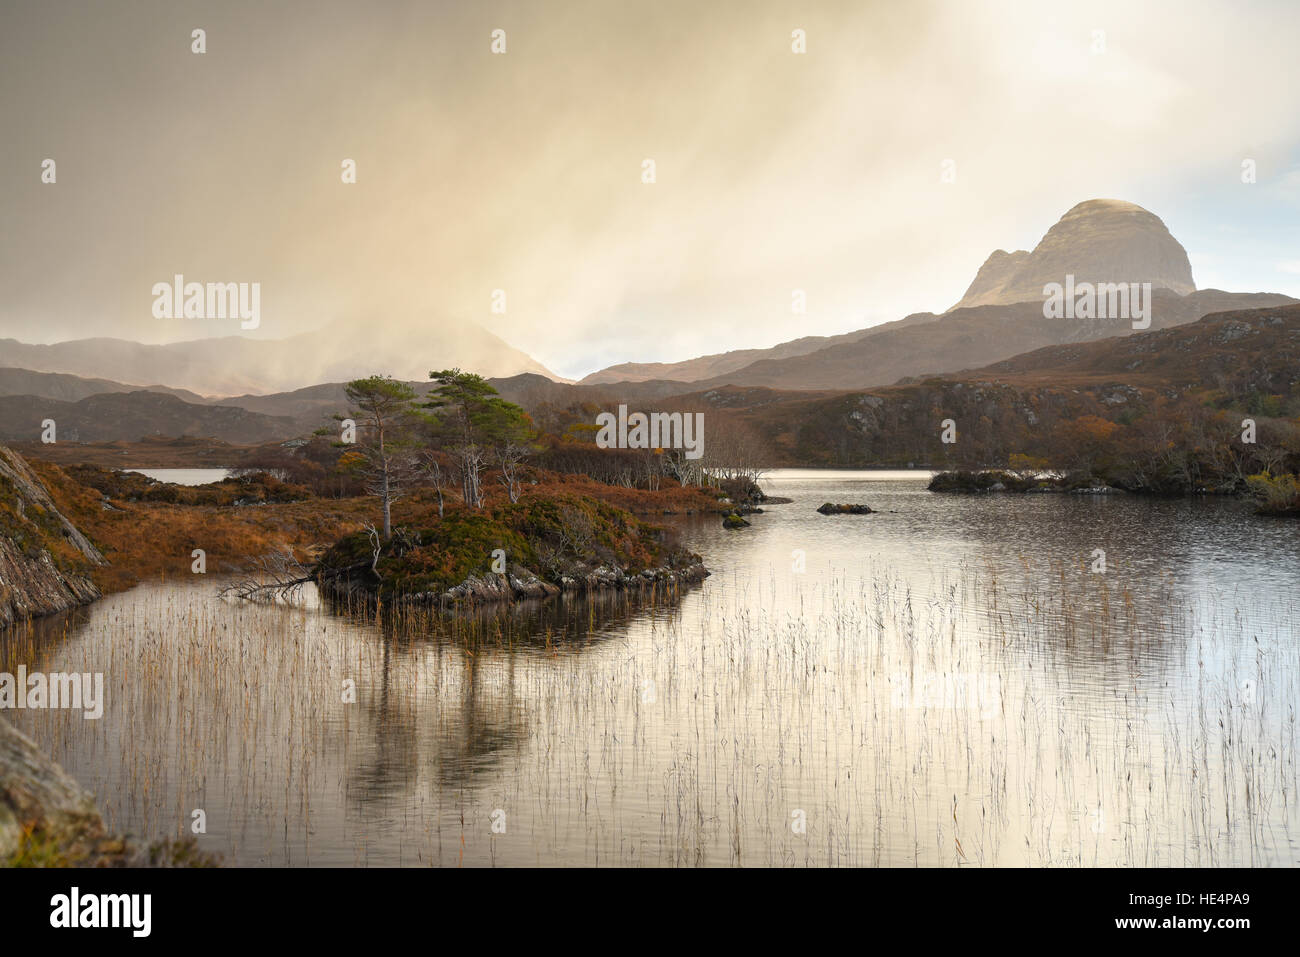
(1099, 240)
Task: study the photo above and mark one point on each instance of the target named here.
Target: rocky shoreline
(44, 560)
(48, 820)
(518, 584)
(1000, 480)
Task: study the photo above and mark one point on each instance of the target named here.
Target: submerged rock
(734, 521)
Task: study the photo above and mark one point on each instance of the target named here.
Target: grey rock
(31, 583)
(34, 790)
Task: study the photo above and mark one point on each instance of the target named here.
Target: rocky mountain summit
(1098, 241)
(1101, 240)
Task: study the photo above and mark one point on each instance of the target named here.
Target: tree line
(463, 430)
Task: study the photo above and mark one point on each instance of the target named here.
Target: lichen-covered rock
(48, 820)
(496, 586)
(35, 793)
(44, 559)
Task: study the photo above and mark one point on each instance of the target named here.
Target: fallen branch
(278, 576)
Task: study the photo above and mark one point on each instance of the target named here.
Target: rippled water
(946, 682)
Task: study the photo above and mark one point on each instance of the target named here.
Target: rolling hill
(1243, 360)
(113, 416)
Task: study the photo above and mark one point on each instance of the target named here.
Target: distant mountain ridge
(1100, 240)
(70, 388)
(968, 337)
(28, 397)
(236, 365)
(1224, 360)
(723, 363)
(123, 415)
(131, 416)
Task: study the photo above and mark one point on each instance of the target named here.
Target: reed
(955, 716)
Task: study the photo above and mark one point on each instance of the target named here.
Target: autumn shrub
(969, 480)
(548, 535)
(1275, 494)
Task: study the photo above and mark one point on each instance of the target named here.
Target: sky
(523, 171)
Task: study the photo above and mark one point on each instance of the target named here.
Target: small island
(830, 508)
(537, 547)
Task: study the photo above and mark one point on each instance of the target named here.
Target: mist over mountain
(248, 390)
(238, 365)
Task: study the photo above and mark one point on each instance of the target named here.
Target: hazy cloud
(522, 172)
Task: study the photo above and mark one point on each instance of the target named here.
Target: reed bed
(967, 715)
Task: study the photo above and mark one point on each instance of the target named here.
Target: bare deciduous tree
(511, 459)
(384, 414)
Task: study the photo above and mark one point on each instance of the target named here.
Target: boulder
(829, 508)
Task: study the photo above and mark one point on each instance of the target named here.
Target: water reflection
(944, 682)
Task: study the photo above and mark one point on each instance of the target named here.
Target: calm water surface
(185, 476)
(947, 682)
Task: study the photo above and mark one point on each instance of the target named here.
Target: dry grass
(151, 541)
(154, 541)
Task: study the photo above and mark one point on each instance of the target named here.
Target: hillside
(725, 363)
(1002, 344)
(97, 410)
(69, 388)
(969, 337)
(45, 562)
(133, 415)
(1240, 353)
(1171, 391)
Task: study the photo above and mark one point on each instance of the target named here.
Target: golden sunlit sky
(522, 171)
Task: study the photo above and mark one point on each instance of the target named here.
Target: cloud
(476, 172)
